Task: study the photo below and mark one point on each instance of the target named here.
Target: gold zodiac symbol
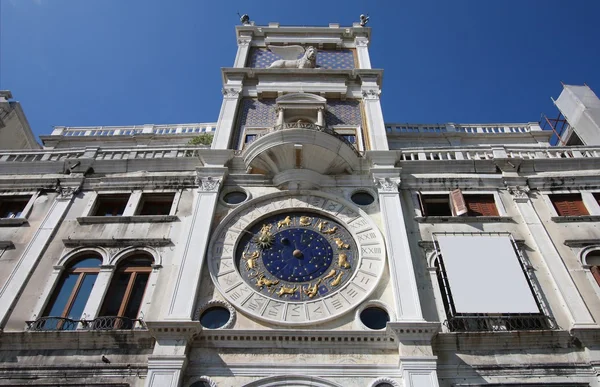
(343, 261)
(305, 221)
(337, 280)
(284, 223)
(263, 281)
(312, 291)
(330, 275)
(265, 238)
(250, 260)
(285, 290)
(330, 230)
(321, 225)
(340, 243)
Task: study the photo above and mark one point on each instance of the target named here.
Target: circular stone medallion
(296, 260)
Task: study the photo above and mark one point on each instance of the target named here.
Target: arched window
(593, 259)
(125, 293)
(71, 294)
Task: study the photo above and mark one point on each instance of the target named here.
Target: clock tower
(307, 277)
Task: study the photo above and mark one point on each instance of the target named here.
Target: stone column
(408, 307)
(320, 117)
(34, 251)
(225, 125)
(362, 52)
(243, 49)
(191, 246)
(568, 294)
(280, 118)
(374, 115)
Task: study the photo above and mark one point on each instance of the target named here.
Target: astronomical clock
(296, 260)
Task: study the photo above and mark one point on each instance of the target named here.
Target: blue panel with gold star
(297, 256)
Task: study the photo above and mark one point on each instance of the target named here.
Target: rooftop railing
(94, 131)
(399, 129)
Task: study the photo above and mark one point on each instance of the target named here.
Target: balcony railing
(500, 323)
(310, 126)
(103, 323)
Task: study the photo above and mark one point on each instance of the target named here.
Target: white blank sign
(485, 276)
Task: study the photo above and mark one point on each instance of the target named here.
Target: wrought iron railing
(103, 323)
(310, 126)
(501, 323)
(51, 323)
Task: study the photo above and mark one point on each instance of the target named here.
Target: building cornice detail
(371, 94)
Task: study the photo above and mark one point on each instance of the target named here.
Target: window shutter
(457, 200)
(569, 205)
(481, 205)
(596, 273)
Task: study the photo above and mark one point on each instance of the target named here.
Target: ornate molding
(206, 379)
(384, 380)
(387, 184)
(212, 303)
(208, 184)
(371, 94)
(231, 92)
(519, 193)
(66, 193)
(364, 42)
(244, 41)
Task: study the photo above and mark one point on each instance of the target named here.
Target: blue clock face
(296, 256)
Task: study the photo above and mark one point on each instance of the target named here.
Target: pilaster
(34, 250)
(191, 246)
(362, 52)
(373, 114)
(232, 92)
(243, 49)
(404, 283)
(571, 300)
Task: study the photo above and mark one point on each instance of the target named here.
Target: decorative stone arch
(292, 380)
(129, 251)
(203, 378)
(301, 106)
(590, 262)
(75, 253)
(382, 380)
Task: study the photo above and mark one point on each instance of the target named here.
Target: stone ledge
(117, 242)
(580, 218)
(12, 222)
(464, 219)
(76, 339)
(6, 245)
(503, 340)
(127, 219)
(581, 242)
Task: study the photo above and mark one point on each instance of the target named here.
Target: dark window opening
(374, 318)
(436, 205)
(126, 291)
(71, 294)
(569, 204)
(362, 198)
(13, 206)
(110, 205)
(249, 138)
(156, 204)
(235, 197)
(215, 317)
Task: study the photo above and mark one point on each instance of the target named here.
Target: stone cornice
(252, 73)
(141, 340)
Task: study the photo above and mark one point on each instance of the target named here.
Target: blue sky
(125, 62)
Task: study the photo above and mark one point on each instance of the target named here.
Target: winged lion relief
(294, 57)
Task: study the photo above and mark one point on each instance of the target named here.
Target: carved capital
(519, 193)
(361, 42)
(208, 184)
(244, 41)
(372, 94)
(231, 92)
(66, 193)
(387, 184)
